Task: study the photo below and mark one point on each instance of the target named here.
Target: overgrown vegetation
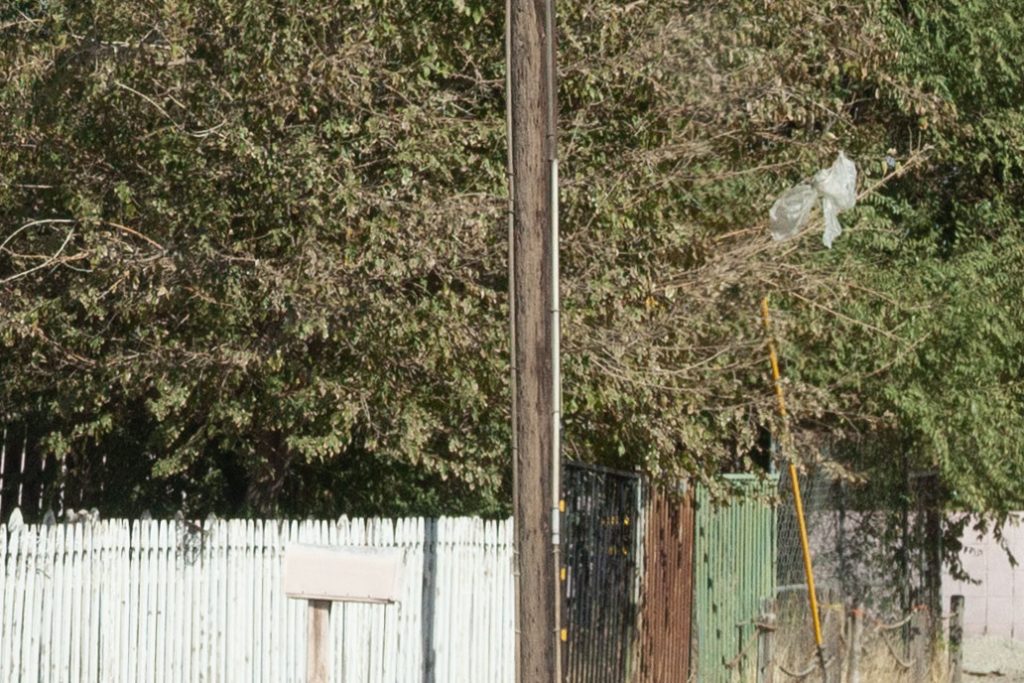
(255, 251)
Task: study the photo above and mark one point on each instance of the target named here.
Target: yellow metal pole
(794, 480)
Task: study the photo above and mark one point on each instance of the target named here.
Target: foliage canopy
(255, 251)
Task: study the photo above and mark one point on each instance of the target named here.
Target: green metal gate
(735, 574)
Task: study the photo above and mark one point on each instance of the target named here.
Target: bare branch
(46, 263)
(32, 224)
(204, 133)
(132, 231)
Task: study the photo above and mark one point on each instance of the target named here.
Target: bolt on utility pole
(533, 285)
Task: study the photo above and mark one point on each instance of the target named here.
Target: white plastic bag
(789, 212)
(837, 186)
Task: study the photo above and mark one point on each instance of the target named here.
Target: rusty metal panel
(667, 596)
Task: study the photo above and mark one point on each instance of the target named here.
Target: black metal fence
(601, 544)
(25, 475)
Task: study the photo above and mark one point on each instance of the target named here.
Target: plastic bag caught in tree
(837, 187)
(789, 212)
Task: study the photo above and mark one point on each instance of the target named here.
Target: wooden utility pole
(533, 278)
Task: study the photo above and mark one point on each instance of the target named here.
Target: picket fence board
(176, 601)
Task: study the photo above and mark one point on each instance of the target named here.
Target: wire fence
(877, 553)
(884, 552)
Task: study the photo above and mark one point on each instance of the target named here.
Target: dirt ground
(993, 659)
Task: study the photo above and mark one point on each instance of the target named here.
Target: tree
(278, 289)
(282, 287)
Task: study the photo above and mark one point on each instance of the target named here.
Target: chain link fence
(877, 552)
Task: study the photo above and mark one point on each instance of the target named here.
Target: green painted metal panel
(735, 574)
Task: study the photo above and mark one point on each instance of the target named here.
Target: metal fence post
(856, 633)
(766, 644)
(956, 637)
(919, 637)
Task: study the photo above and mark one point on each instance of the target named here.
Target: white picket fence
(165, 601)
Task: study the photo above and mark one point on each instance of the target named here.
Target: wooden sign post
(322, 575)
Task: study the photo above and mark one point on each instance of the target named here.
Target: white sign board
(341, 574)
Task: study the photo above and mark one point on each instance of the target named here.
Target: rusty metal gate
(600, 547)
(667, 596)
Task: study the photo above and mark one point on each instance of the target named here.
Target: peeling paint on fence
(175, 602)
(734, 574)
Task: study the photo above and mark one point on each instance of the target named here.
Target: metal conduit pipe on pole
(557, 504)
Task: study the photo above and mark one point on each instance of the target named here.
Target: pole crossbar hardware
(798, 504)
